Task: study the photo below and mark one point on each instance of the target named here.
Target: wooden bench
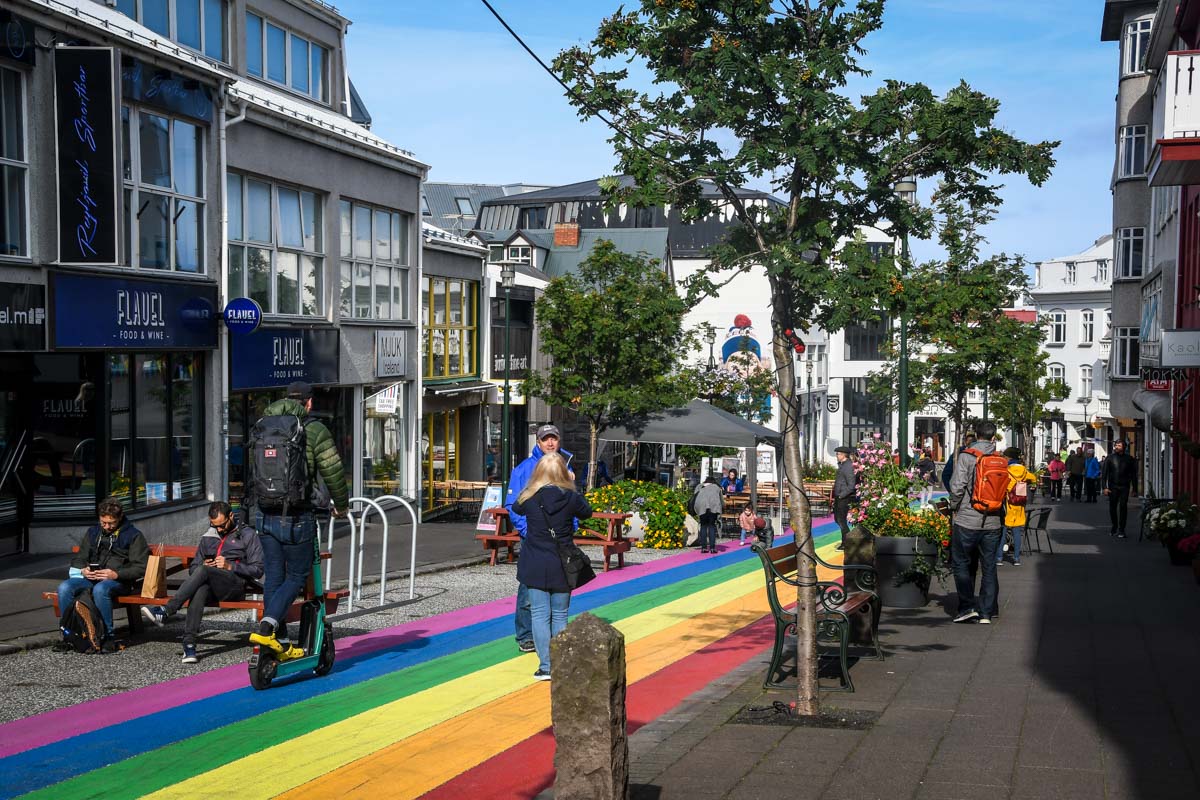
(614, 541)
(820, 495)
(185, 554)
(835, 608)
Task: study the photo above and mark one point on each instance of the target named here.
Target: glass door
(14, 479)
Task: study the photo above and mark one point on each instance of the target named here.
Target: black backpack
(279, 463)
(691, 503)
(81, 624)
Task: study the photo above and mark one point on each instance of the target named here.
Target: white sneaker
(967, 616)
(985, 621)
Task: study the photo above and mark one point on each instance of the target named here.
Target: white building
(1072, 295)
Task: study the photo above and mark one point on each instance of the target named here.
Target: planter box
(894, 556)
(1177, 556)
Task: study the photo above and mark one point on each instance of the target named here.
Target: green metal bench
(836, 608)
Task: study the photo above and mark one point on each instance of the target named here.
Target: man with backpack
(112, 557)
(978, 489)
(287, 453)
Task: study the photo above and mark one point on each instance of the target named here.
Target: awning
(1156, 405)
(700, 424)
(458, 387)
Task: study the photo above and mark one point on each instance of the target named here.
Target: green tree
(613, 333)
(755, 89)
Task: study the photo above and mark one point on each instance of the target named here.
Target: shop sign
(1181, 348)
(391, 354)
(22, 316)
(1162, 374)
(165, 90)
(85, 105)
(242, 315)
(278, 356)
(387, 401)
(1158, 386)
(520, 349)
(833, 403)
(103, 312)
(16, 39)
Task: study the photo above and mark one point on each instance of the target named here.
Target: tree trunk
(594, 444)
(808, 699)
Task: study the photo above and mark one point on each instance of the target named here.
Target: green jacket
(323, 456)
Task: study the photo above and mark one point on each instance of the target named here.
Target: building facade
(194, 152)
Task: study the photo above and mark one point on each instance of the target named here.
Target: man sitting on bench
(112, 557)
(229, 560)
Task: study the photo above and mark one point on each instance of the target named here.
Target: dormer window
(285, 58)
(1070, 273)
(198, 24)
(533, 218)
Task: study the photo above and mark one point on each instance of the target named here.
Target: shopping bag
(155, 582)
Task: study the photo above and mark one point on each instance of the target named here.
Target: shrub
(661, 508)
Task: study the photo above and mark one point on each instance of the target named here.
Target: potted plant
(1171, 524)
(907, 540)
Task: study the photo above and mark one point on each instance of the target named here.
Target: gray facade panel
(451, 265)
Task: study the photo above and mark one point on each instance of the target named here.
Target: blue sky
(447, 82)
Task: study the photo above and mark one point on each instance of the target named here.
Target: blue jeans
(708, 531)
(103, 593)
(549, 611)
(1015, 532)
(523, 620)
(288, 553)
(962, 544)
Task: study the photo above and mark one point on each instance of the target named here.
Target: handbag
(155, 582)
(576, 565)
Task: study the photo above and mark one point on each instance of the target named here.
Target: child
(746, 524)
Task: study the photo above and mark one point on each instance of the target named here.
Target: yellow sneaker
(268, 641)
(291, 653)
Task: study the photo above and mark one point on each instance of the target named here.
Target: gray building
(188, 154)
(1129, 23)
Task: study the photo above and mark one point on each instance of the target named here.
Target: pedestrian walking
(1091, 478)
(844, 491)
(552, 510)
(1057, 468)
(927, 470)
(1076, 466)
(977, 493)
(1014, 507)
(1119, 480)
(710, 502)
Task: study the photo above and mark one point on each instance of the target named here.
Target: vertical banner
(85, 105)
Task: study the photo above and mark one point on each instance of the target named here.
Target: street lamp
(711, 335)
(1086, 402)
(508, 277)
(906, 190)
(808, 427)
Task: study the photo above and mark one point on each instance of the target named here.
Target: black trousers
(1118, 508)
(841, 511)
(1091, 488)
(202, 586)
(1076, 484)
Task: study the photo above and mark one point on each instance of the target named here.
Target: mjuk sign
(85, 106)
(22, 316)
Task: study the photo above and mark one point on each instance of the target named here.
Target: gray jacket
(961, 484)
(843, 484)
(709, 499)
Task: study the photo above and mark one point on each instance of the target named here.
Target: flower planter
(894, 557)
(1177, 556)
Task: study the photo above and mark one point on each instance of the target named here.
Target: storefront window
(450, 327)
(386, 440)
(439, 459)
(63, 434)
(156, 442)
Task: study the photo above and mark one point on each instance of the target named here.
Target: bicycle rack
(357, 538)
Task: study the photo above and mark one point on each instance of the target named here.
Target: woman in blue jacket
(1091, 477)
(550, 506)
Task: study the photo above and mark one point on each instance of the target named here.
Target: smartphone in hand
(93, 566)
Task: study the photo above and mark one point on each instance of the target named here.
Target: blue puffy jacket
(1092, 468)
(517, 481)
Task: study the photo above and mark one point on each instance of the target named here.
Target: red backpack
(991, 482)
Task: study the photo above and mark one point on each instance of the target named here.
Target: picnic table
(613, 542)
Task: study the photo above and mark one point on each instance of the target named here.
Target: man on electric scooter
(282, 494)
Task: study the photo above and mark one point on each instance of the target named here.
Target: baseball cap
(548, 430)
(299, 390)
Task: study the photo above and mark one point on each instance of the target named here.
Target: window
(534, 217)
(464, 206)
(1056, 372)
(1137, 40)
(157, 446)
(285, 58)
(864, 340)
(164, 191)
(1131, 252)
(276, 246)
(1087, 326)
(864, 414)
(449, 327)
(1085, 381)
(495, 253)
(198, 24)
(14, 166)
(1056, 331)
(1102, 270)
(1070, 273)
(375, 262)
(1131, 152)
(1124, 362)
(521, 254)
(425, 212)
(974, 395)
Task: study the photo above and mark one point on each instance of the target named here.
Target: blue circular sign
(242, 315)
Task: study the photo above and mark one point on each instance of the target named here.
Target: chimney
(566, 234)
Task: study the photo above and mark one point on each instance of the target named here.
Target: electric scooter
(316, 639)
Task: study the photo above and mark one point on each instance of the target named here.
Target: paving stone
(1057, 784)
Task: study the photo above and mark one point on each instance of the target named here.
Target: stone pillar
(587, 706)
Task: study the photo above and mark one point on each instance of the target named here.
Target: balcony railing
(1175, 127)
(1150, 352)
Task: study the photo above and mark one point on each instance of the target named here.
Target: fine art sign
(85, 116)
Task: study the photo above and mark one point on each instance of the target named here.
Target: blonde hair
(551, 470)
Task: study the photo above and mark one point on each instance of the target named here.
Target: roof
(1021, 315)
(321, 118)
(358, 109)
(435, 236)
(699, 424)
(441, 200)
(652, 242)
(591, 189)
(110, 22)
(1114, 16)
